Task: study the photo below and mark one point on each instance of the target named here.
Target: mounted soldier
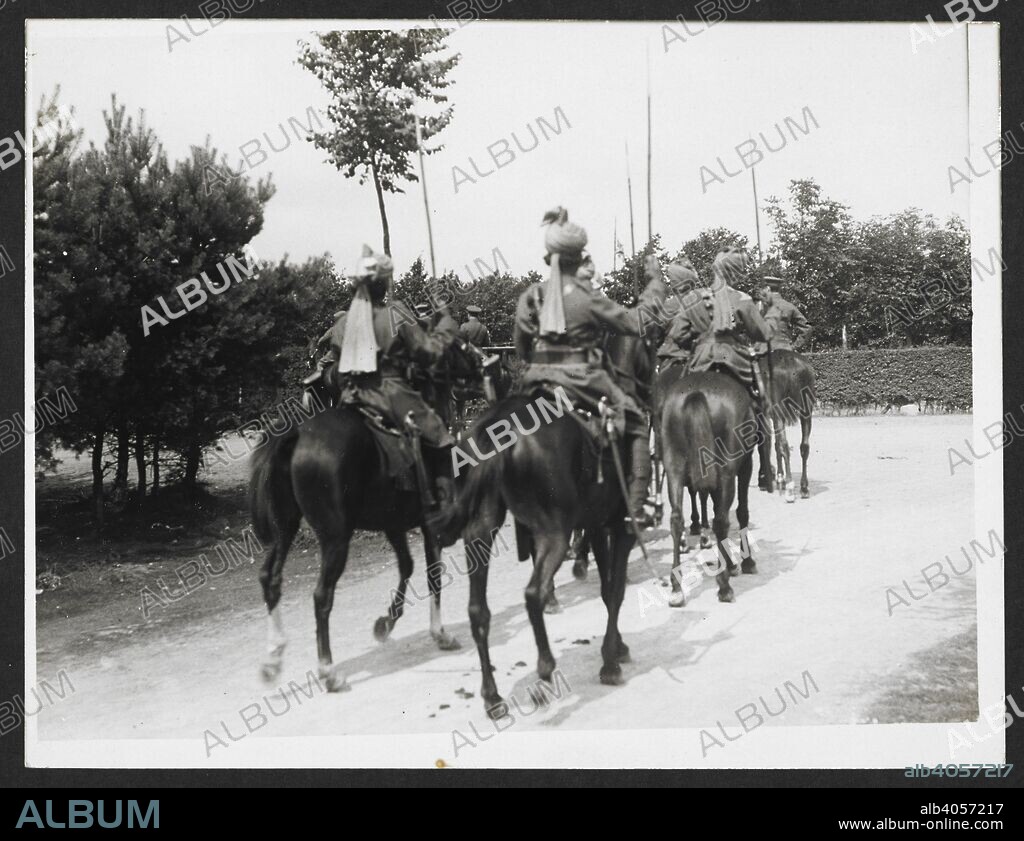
(373, 348)
(474, 330)
(677, 348)
(558, 331)
(721, 332)
(787, 324)
(792, 381)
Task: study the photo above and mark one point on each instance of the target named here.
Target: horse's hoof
(677, 600)
(446, 642)
(497, 710)
(734, 570)
(749, 567)
(805, 494)
(552, 607)
(623, 655)
(382, 628)
(334, 679)
(705, 542)
(545, 668)
(790, 493)
(579, 570)
(270, 670)
(728, 596)
(612, 675)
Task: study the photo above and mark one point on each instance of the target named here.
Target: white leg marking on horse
(276, 638)
(436, 626)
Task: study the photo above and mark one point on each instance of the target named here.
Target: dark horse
(709, 431)
(629, 358)
(793, 395)
(329, 471)
(667, 377)
(548, 480)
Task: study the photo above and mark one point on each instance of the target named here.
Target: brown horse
(548, 480)
(792, 398)
(709, 431)
(699, 525)
(330, 471)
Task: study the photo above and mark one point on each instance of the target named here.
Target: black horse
(329, 470)
(548, 480)
(709, 431)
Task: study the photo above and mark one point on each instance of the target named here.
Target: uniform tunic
(401, 342)
(728, 349)
(787, 324)
(476, 332)
(588, 314)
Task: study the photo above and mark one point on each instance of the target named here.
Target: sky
(884, 120)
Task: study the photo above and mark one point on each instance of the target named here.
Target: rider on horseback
(374, 345)
(788, 325)
(558, 330)
(474, 330)
(678, 345)
(720, 332)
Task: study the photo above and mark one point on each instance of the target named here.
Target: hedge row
(935, 378)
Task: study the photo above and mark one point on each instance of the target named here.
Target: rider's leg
(639, 477)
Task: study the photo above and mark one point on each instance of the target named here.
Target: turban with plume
(728, 269)
(561, 239)
(359, 344)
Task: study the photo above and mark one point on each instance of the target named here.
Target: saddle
(585, 414)
(394, 449)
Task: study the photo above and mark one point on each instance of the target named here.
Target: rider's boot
(639, 479)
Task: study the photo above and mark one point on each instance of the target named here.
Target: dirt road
(883, 506)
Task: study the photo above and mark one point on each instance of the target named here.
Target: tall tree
(814, 239)
(79, 218)
(375, 78)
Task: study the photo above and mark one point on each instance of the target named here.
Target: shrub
(935, 378)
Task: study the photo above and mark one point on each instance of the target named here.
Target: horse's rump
(270, 484)
(793, 388)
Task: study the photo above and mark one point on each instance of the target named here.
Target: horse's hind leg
(435, 569)
(580, 551)
(743, 513)
(551, 551)
(333, 557)
(270, 579)
(385, 624)
(679, 546)
(478, 538)
(613, 587)
(785, 471)
(723, 502)
(695, 524)
(805, 450)
(705, 526)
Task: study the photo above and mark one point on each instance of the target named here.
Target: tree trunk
(97, 475)
(193, 456)
(156, 466)
(383, 212)
(140, 466)
(123, 456)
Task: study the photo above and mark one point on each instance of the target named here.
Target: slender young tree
(375, 78)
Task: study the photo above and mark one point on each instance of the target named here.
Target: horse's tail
(698, 441)
(271, 498)
(480, 483)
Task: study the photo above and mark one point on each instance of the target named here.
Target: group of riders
(562, 325)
